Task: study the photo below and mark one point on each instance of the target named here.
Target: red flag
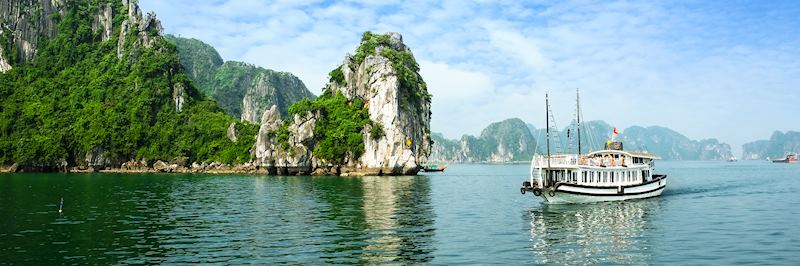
(615, 131)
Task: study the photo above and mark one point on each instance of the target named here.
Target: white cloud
(637, 62)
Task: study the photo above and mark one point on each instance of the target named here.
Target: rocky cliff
(373, 118)
(242, 90)
(778, 145)
(94, 85)
(672, 145)
(22, 23)
(505, 141)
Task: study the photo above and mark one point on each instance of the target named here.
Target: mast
(578, 114)
(547, 123)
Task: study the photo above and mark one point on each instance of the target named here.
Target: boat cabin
(609, 167)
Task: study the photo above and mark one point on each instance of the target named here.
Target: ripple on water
(472, 214)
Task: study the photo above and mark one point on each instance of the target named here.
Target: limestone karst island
(98, 86)
(364, 132)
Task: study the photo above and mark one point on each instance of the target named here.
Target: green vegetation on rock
(337, 131)
(77, 97)
(403, 63)
(200, 61)
(229, 82)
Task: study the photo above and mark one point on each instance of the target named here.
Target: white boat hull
(569, 193)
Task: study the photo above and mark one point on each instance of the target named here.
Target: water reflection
(182, 219)
(593, 233)
(379, 219)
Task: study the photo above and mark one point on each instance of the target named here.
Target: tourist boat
(434, 168)
(790, 158)
(610, 174)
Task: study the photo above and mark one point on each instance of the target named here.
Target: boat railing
(567, 160)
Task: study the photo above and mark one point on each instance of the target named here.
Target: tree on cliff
(90, 96)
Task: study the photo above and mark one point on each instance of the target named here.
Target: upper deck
(602, 159)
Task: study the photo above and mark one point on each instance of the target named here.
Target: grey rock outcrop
(103, 22)
(293, 157)
(24, 21)
(231, 134)
(777, 146)
(402, 114)
(4, 64)
(242, 90)
(179, 96)
(509, 140)
(96, 157)
(270, 88)
(149, 28)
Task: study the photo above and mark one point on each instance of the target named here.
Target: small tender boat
(790, 158)
(611, 174)
(434, 168)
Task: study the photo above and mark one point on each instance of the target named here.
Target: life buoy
(552, 193)
(537, 192)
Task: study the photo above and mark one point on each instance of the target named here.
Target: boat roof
(632, 154)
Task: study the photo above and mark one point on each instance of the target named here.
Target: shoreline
(142, 167)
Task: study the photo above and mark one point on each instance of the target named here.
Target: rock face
(293, 157)
(179, 96)
(671, 145)
(400, 107)
(242, 90)
(270, 88)
(505, 141)
(778, 145)
(508, 141)
(103, 22)
(22, 22)
(147, 26)
(406, 143)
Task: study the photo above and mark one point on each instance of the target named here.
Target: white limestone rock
(403, 115)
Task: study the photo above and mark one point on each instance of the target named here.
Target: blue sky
(723, 69)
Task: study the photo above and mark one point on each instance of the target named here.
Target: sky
(708, 69)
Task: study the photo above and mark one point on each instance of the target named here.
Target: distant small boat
(434, 168)
(732, 159)
(790, 158)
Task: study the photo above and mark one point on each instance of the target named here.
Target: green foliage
(336, 76)
(200, 61)
(77, 96)
(369, 42)
(337, 132)
(403, 62)
(228, 82)
(376, 131)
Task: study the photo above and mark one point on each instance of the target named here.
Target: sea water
(710, 213)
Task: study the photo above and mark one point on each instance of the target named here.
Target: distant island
(96, 86)
(777, 146)
(513, 140)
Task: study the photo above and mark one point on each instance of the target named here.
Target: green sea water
(711, 213)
